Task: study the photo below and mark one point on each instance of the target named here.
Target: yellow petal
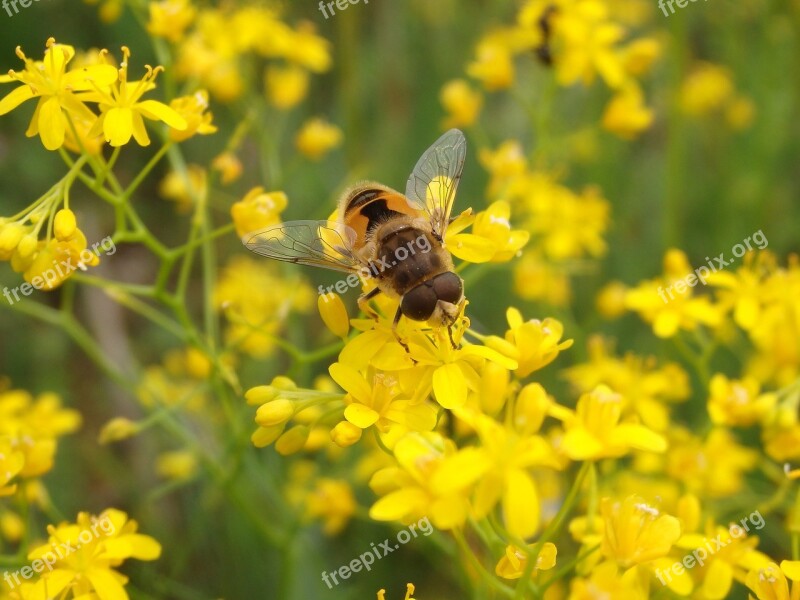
(351, 381)
(14, 98)
(459, 471)
(334, 314)
(396, 505)
(470, 247)
(118, 126)
(157, 111)
(521, 504)
(106, 586)
(360, 415)
(639, 437)
(666, 323)
(449, 386)
(143, 546)
(717, 581)
(490, 354)
(139, 131)
(87, 77)
(51, 124)
(791, 568)
(579, 444)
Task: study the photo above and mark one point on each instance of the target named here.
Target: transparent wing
(326, 244)
(434, 180)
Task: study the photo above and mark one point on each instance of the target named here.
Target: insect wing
(326, 244)
(434, 180)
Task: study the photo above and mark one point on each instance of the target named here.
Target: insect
(543, 51)
(397, 240)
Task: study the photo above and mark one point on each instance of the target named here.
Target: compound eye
(419, 303)
(448, 287)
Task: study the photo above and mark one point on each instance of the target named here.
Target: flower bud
(345, 434)
(275, 412)
(10, 235)
(118, 429)
(334, 314)
(264, 436)
(27, 246)
(292, 441)
(64, 225)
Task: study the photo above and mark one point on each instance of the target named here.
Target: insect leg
(363, 302)
(398, 315)
(450, 334)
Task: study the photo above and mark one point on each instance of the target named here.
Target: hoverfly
(375, 233)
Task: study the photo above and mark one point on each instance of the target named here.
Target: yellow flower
(379, 400)
(713, 467)
(55, 261)
(514, 562)
(184, 191)
(737, 402)
(307, 49)
(639, 55)
(504, 164)
(117, 429)
(610, 300)
(55, 87)
(431, 479)
(587, 40)
(493, 224)
(286, 86)
(770, 582)
(635, 532)
(536, 278)
(509, 481)
(645, 387)
(740, 112)
(99, 545)
(605, 581)
(538, 342)
(229, 167)
(493, 66)
(170, 18)
(110, 10)
(317, 137)
(707, 88)
(567, 225)
(193, 110)
(257, 210)
(668, 304)
(180, 465)
(257, 301)
(123, 111)
(11, 463)
(594, 431)
(333, 501)
(626, 114)
(462, 103)
(451, 372)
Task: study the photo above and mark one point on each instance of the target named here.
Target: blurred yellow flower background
(619, 390)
